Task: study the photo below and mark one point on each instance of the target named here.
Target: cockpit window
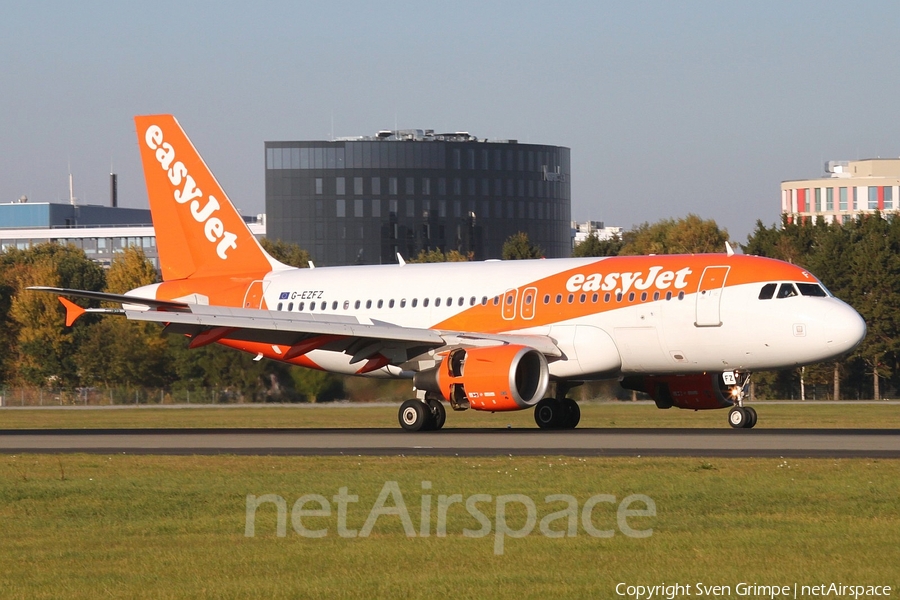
(812, 289)
(787, 290)
(767, 291)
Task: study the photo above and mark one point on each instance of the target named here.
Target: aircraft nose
(845, 328)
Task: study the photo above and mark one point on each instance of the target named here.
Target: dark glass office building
(363, 200)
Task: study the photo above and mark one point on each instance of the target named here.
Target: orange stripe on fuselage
(628, 274)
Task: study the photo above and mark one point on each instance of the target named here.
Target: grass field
(78, 526)
(594, 414)
(81, 526)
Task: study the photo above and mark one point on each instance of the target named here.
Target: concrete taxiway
(871, 443)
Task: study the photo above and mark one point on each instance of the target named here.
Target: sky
(669, 108)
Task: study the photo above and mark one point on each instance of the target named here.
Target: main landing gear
(419, 415)
(559, 412)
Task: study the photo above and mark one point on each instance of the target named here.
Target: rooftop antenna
(72, 197)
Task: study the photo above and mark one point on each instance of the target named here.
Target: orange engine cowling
(497, 378)
(697, 392)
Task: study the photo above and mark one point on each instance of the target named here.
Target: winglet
(73, 311)
(728, 249)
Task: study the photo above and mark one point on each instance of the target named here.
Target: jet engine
(497, 378)
(697, 392)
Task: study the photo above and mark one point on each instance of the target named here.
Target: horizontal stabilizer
(117, 298)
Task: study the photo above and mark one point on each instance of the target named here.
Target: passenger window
(528, 300)
(812, 289)
(334, 305)
(571, 298)
(496, 300)
(290, 306)
(402, 302)
(681, 295)
(655, 296)
(631, 297)
(425, 302)
(668, 295)
(380, 303)
(643, 296)
(391, 303)
(582, 298)
(546, 298)
(559, 298)
(450, 301)
(606, 297)
(595, 297)
(472, 301)
(356, 304)
(787, 290)
(484, 300)
(346, 304)
(415, 302)
(278, 307)
(767, 291)
(368, 304)
(437, 302)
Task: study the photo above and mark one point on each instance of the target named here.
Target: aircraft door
(509, 304)
(709, 297)
(254, 296)
(529, 299)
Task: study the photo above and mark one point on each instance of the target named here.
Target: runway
(831, 443)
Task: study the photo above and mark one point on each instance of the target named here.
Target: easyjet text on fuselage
(621, 283)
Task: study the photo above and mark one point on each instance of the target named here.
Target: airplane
(489, 336)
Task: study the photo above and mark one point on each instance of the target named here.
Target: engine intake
(498, 378)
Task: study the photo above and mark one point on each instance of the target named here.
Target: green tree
(594, 246)
(286, 252)
(436, 256)
(689, 235)
(117, 352)
(519, 247)
(44, 348)
(875, 293)
(129, 270)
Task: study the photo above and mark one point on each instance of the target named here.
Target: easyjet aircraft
(489, 336)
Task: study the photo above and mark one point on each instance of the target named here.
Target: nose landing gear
(740, 416)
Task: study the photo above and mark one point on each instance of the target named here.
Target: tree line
(859, 261)
(111, 352)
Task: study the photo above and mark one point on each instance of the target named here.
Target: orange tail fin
(199, 233)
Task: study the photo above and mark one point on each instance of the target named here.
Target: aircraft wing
(363, 339)
(378, 343)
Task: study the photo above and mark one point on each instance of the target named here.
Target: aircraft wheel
(438, 413)
(751, 417)
(572, 413)
(414, 415)
(738, 417)
(549, 414)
